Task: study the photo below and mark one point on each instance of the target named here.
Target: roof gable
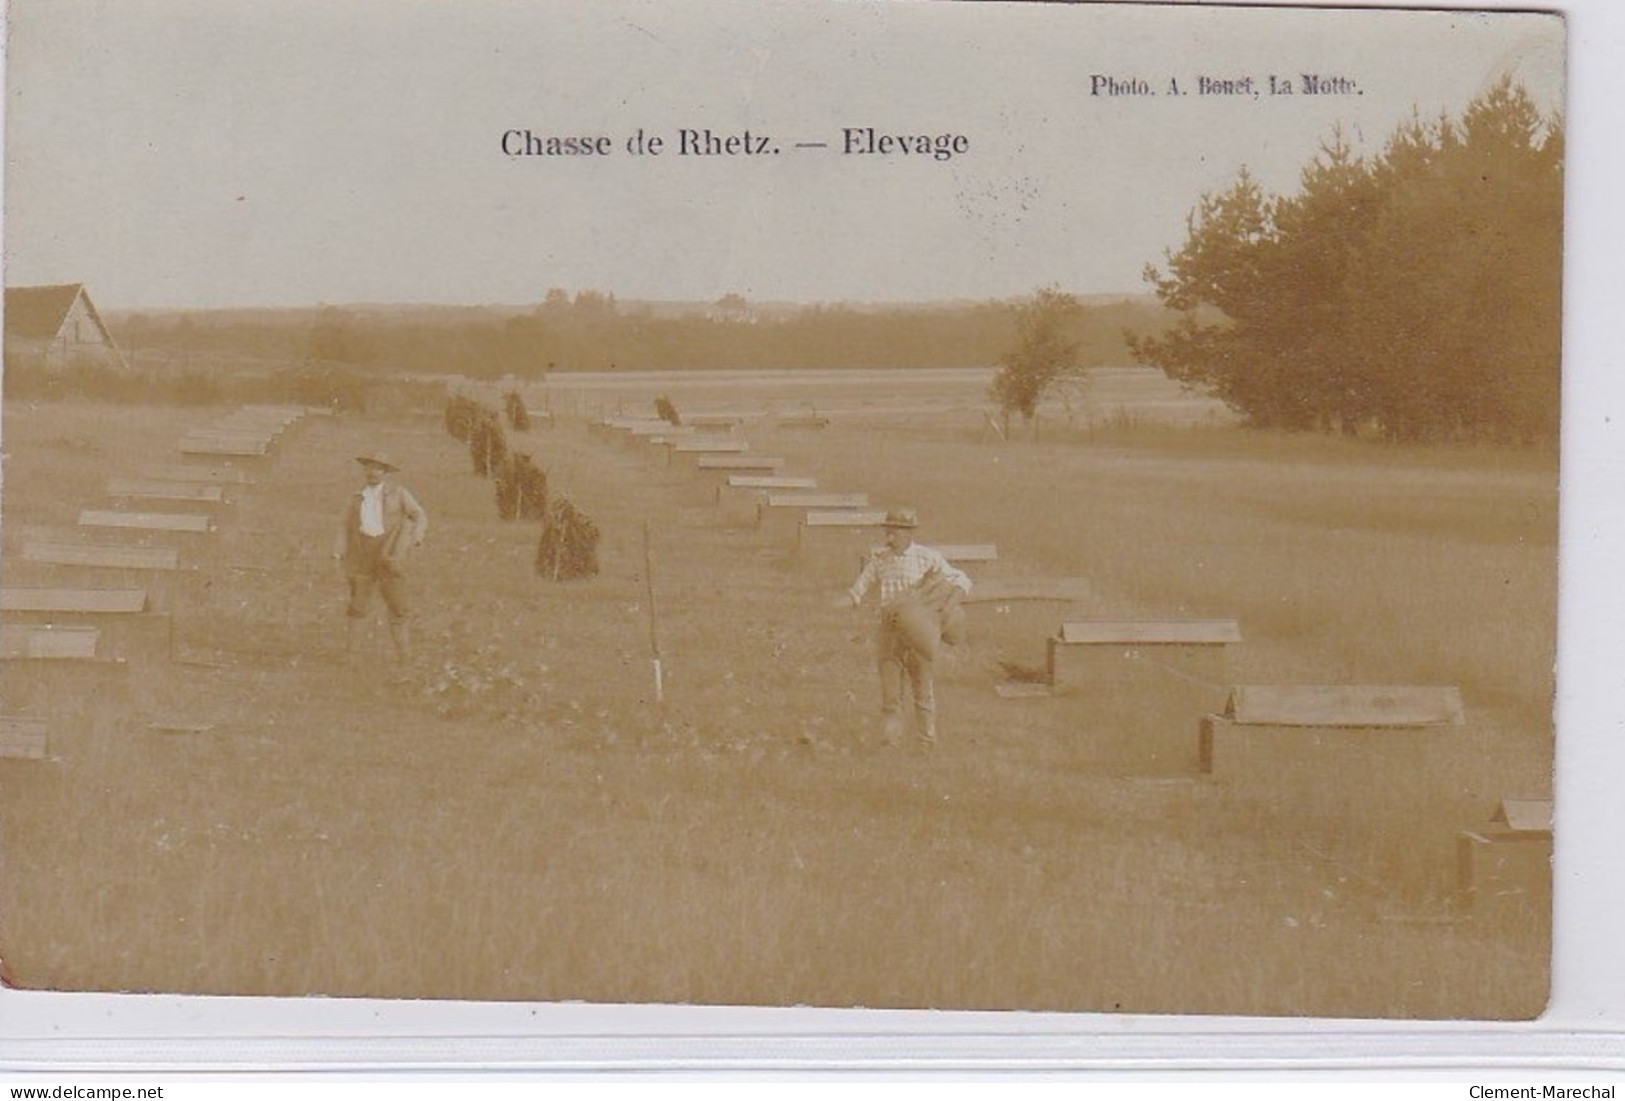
(36, 313)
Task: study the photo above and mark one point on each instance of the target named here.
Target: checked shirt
(899, 572)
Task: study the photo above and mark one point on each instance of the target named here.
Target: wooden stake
(654, 618)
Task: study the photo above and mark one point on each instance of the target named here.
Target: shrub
(460, 415)
(487, 445)
(568, 549)
(518, 415)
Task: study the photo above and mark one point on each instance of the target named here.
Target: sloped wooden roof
(1523, 815)
(1351, 705)
(37, 313)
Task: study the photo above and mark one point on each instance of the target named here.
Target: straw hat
(376, 458)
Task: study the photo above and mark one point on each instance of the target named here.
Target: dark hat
(376, 458)
(901, 518)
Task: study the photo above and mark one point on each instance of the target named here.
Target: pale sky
(200, 153)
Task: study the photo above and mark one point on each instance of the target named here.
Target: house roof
(37, 313)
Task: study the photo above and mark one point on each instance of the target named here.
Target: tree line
(590, 330)
(1414, 294)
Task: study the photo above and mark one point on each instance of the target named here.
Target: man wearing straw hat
(382, 523)
(919, 592)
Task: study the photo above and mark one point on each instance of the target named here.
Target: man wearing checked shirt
(906, 572)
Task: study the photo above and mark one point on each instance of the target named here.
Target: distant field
(514, 816)
(1138, 394)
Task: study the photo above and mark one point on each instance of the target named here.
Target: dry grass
(516, 818)
(1339, 561)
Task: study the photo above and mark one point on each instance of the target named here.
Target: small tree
(1046, 353)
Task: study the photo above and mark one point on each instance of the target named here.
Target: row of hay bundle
(568, 549)
(521, 488)
(569, 545)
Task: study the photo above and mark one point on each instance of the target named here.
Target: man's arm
(865, 581)
(341, 543)
(941, 567)
(415, 516)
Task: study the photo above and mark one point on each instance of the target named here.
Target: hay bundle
(532, 489)
(666, 411)
(487, 445)
(460, 415)
(916, 624)
(930, 616)
(521, 488)
(569, 546)
(506, 483)
(945, 601)
(518, 415)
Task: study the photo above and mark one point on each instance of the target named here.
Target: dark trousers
(369, 568)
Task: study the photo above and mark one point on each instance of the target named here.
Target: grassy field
(513, 816)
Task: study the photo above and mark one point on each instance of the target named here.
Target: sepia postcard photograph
(890, 506)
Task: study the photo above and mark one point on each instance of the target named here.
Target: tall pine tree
(1411, 295)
